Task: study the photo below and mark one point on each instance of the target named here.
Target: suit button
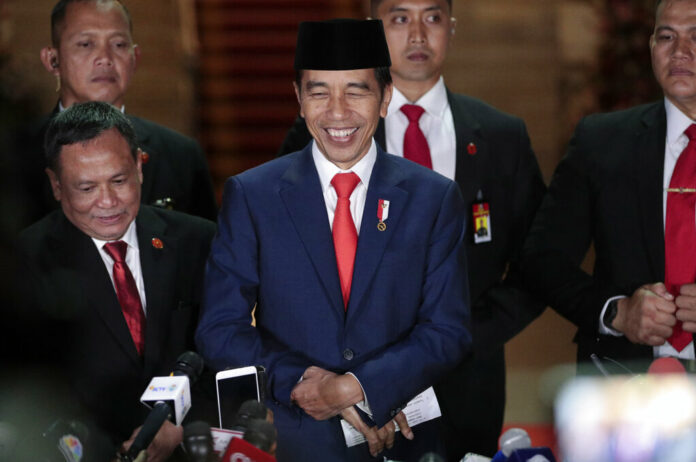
(348, 354)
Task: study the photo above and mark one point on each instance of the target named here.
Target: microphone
(198, 442)
(159, 413)
(169, 398)
(511, 440)
(241, 450)
(63, 441)
(262, 434)
(666, 365)
(175, 389)
(250, 409)
(515, 446)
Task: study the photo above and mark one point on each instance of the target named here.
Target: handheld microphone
(64, 441)
(169, 398)
(515, 446)
(262, 434)
(511, 440)
(175, 389)
(159, 413)
(250, 409)
(198, 442)
(666, 365)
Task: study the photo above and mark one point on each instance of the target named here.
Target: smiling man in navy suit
(352, 258)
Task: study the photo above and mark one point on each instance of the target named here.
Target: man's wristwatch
(610, 313)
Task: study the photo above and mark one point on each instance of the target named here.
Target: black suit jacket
(76, 320)
(505, 171)
(607, 191)
(175, 168)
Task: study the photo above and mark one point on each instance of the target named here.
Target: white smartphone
(234, 386)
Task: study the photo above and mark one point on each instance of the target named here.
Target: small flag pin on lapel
(157, 243)
(471, 149)
(382, 214)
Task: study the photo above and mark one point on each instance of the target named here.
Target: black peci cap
(341, 44)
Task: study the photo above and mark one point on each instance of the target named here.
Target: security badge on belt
(482, 220)
(382, 214)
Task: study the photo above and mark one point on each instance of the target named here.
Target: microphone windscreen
(190, 364)
(512, 439)
(666, 365)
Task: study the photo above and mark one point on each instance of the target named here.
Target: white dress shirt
(675, 142)
(327, 170)
(132, 260)
(436, 123)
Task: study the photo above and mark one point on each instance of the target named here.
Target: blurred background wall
(221, 71)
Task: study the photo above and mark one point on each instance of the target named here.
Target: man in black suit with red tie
(111, 287)
(627, 185)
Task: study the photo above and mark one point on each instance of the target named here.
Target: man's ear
(136, 56)
(386, 99)
(55, 183)
(299, 98)
(49, 59)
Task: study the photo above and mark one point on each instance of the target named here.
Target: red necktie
(345, 236)
(680, 231)
(415, 145)
(127, 293)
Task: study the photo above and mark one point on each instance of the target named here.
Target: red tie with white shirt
(127, 293)
(345, 236)
(680, 230)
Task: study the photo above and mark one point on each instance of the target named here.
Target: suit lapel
(372, 242)
(79, 251)
(469, 168)
(303, 198)
(650, 147)
(159, 266)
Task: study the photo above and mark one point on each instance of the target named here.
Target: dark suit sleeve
(297, 137)
(560, 237)
(441, 336)
(507, 308)
(225, 334)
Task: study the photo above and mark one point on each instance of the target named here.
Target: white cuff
(362, 405)
(606, 330)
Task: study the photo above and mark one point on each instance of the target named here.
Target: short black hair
(83, 122)
(374, 5)
(382, 75)
(58, 16)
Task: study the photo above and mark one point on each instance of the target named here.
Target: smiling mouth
(341, 134)
(680, 72)
(111, 219)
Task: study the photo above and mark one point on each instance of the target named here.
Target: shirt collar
(130, 237)
(434, 101)
(677, 122)
(327, 169)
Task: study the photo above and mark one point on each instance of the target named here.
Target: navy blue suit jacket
(407, 320)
